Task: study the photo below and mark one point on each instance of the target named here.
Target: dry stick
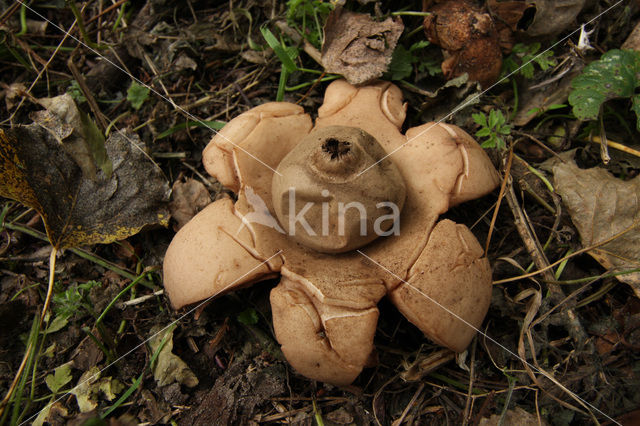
(8, 13)
(528, 324)
(87, 94)
(570, 319)
(53, 55)
(527, 235)
(12, 388)
(472, 371)
(155, 73)
(535, 251)
(505, 180)
(105, 11)
(409, 406)
(569, 256)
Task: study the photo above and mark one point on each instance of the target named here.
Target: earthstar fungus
(325, 305)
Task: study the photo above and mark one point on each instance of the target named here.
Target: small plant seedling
(525, 56)
(403, 61)
(74, 300)
(492, 128)
(307, 17)
(137, 94)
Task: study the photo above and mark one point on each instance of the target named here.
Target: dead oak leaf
(601, 207)
(38, 172)
(188, 198)
(357, 46)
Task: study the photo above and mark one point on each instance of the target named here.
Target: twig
(87, 94)
(505, 181)
(141, 299)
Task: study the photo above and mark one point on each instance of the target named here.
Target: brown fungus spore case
(325, 305)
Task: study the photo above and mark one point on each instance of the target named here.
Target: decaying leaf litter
(575, 320)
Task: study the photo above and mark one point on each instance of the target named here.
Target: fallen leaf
(552, 16)
(511, 13)
(169, 368)
(60, 377)
(13, 93)
(76, 210)
(357, 46)
(633, 40)
(77, 134)
(602, 206)
(53, 413)
(91, 385)
(188, 198)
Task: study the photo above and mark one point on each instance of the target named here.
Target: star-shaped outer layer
(324, 308)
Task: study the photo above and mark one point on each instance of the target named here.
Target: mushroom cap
(335, 190)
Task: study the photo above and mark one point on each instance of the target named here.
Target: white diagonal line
(486, 336)
(476, 97)
(155, 334)
(154, 91)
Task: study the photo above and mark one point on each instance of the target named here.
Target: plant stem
(82, 253)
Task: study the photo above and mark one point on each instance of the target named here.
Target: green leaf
(615, 75)
(248, 317)
(419, 45)
(60, 377)
(480, 118)
(505, 130)
(400, 66)
(485, 131)
(137, 94)
(279, 50)
(57, 324)
(545, 60)
(494, 118)
(555, 106)
(489, 143)
(527, 70)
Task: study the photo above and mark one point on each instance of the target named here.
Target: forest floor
(111, 350)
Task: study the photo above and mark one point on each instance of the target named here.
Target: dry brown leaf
(554, 16)
(517, 416)
(602, 206)
(187, 199)
(36, 171)
(357, 46)
(633, 41)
